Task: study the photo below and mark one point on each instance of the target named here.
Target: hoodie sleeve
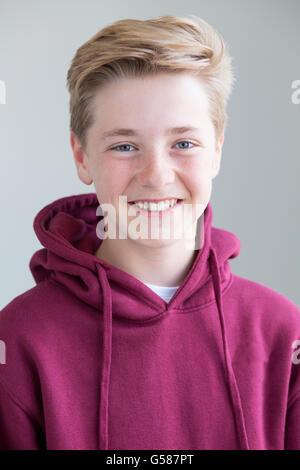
(292, 429)
(292, 421)
(21, 412)
(18, 429)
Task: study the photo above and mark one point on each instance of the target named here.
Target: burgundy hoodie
(95, 359)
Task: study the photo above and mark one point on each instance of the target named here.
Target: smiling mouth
(156, 210)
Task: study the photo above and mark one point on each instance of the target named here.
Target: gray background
(256, 194)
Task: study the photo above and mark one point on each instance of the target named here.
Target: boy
(131, 342)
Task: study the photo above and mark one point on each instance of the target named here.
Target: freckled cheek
(199, 185)
(199, 169)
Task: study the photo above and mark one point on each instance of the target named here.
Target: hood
(67, 230)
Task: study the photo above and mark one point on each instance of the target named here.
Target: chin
(158, 242)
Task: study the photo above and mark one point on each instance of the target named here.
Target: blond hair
(135, 48)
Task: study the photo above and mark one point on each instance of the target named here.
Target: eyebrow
(132, 132)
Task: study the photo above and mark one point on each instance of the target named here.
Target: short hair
(135, 48)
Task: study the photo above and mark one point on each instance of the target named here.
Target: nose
(155, 171)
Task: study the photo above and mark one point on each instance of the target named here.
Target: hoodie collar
(67, 230)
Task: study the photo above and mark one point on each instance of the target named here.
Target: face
(151, 162)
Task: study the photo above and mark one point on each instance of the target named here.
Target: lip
(158, 213)
(155, 200)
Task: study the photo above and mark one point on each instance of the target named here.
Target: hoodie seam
(18, 402)
(55, 282)
(208, 303)
(185, 309)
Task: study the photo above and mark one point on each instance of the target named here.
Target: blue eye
(119, 146)
(185, 142)
(181, 142)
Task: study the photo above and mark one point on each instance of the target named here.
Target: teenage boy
(133, 342)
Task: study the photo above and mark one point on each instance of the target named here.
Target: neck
(163, 265)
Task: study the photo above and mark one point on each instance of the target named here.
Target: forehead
(165, 100)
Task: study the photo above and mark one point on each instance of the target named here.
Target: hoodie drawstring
(107, 349)
(106, 357)
(234, 391)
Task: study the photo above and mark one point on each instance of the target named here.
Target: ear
(81, 160)
(217, 156)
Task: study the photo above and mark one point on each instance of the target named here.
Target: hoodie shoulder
(25, 310)
(264, 301)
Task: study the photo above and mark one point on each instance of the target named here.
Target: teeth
(153, 206)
